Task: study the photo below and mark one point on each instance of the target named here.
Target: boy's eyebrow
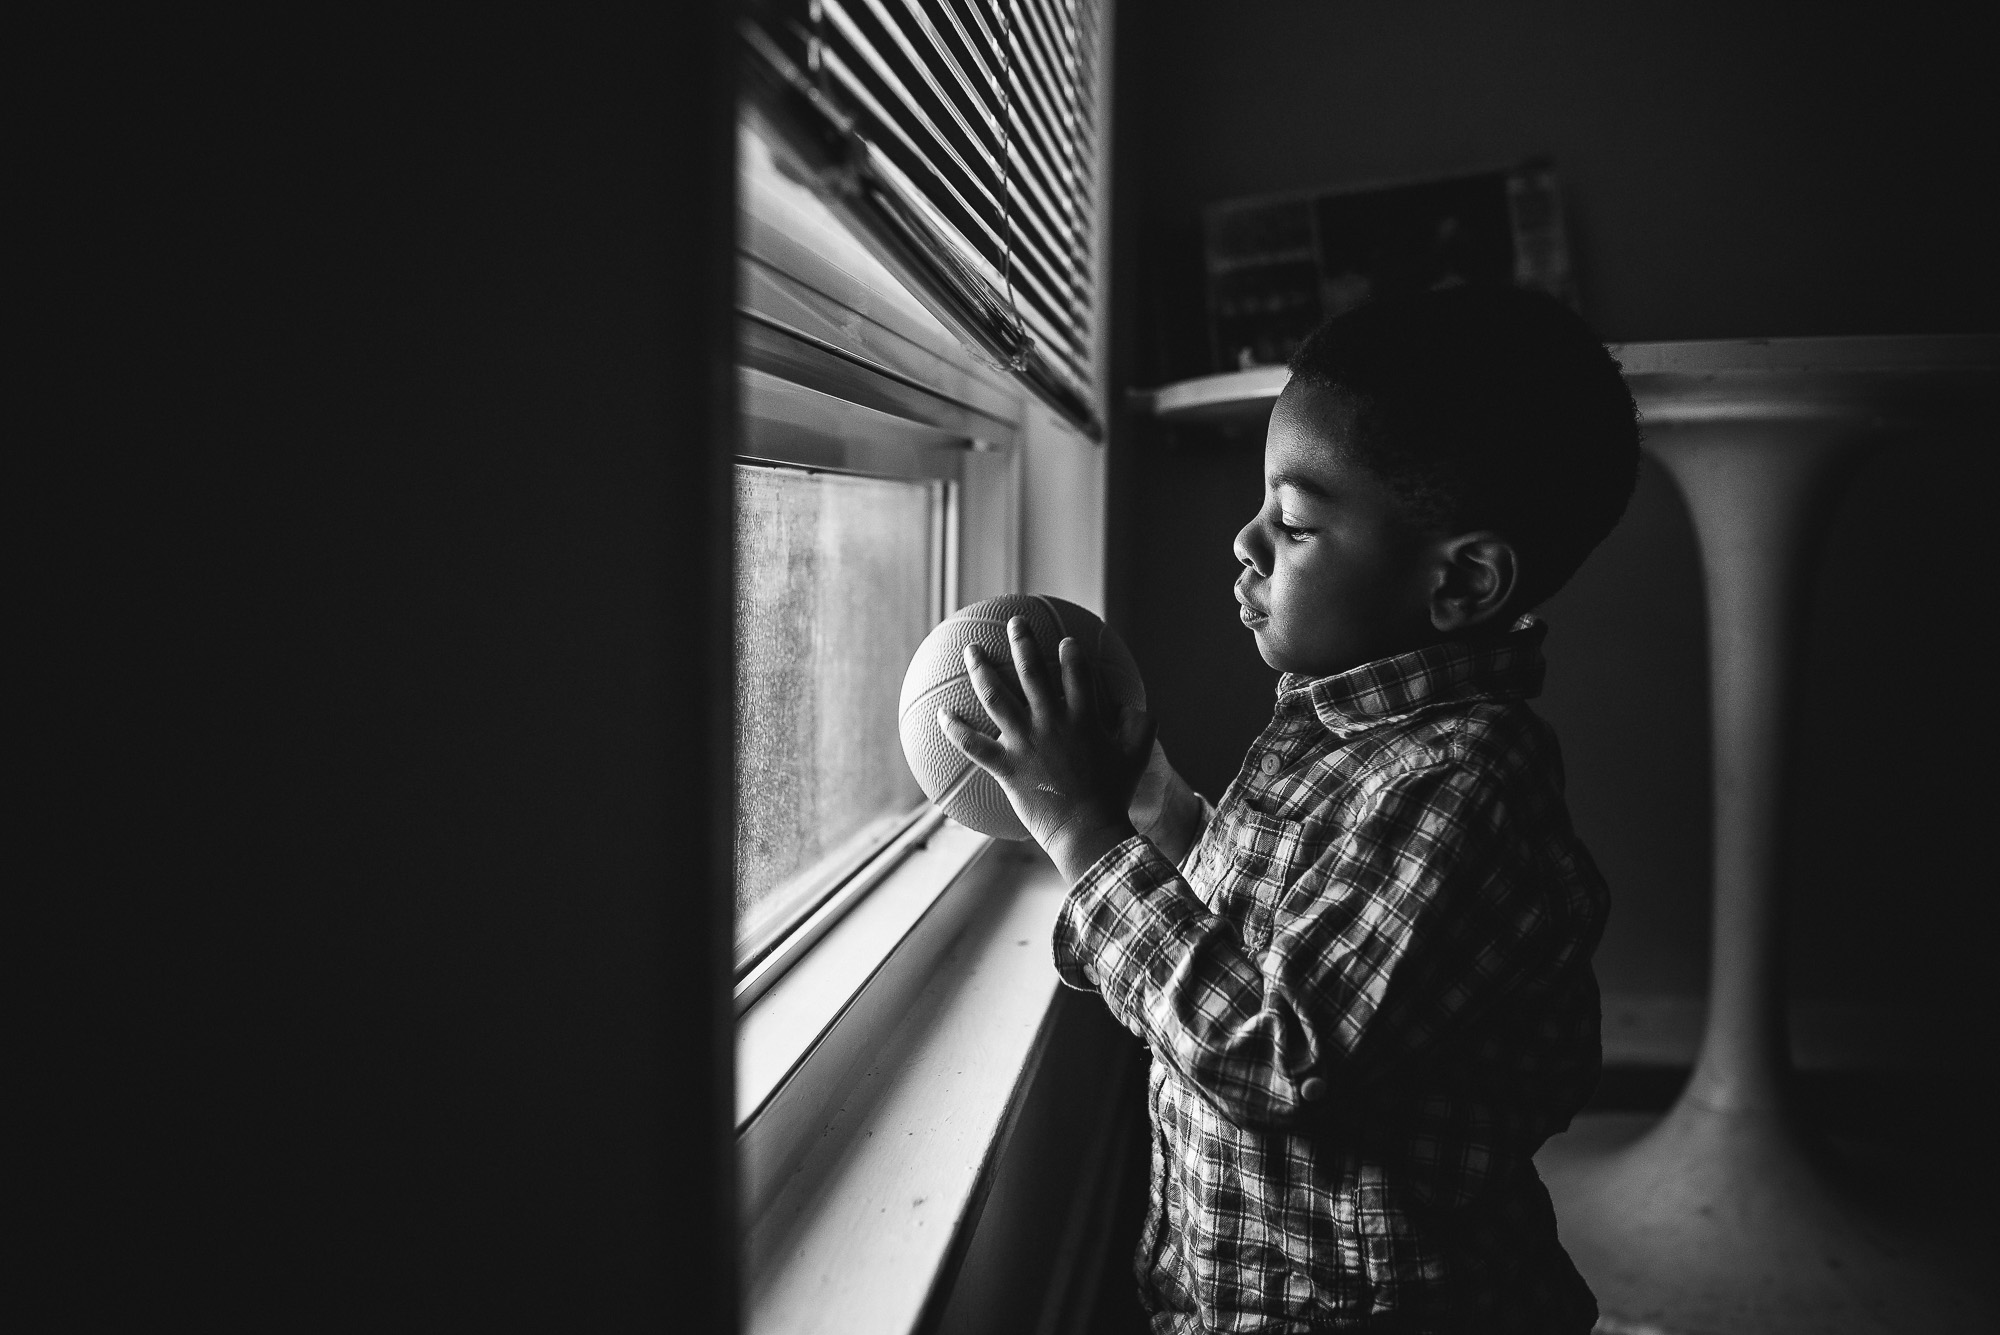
(1300, 482)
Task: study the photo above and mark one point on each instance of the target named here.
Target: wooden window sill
(861, 1231)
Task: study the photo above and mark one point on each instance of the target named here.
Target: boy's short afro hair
(1488, 407)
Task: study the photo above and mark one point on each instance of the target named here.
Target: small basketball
(937, 679)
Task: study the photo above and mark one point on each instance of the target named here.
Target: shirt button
(1312, 1089)
(1269, 764)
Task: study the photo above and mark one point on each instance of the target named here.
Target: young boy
(1365, 973)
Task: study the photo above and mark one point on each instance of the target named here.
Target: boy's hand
(1069, 776)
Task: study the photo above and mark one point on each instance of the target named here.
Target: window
(876, 489)
(838, 577)
(919, 393)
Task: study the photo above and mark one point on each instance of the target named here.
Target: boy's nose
(1250, 548)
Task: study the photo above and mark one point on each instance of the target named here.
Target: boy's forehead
(1311, 432)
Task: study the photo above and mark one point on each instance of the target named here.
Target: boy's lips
(1249, 612)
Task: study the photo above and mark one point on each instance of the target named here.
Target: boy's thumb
(1136, 731)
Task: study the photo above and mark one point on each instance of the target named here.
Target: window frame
(841, 370)
(836, 320)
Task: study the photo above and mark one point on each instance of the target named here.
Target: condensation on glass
(838, 579)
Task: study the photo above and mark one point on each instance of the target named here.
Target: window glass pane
(838, 580)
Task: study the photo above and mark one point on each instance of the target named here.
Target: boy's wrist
(1169, 813)
(1077, 845)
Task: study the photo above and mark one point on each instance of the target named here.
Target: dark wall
(1730, 170)
(378, 923)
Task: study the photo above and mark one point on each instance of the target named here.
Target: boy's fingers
(1028, 666)
(1076, 679)
(977, 747)
(991, 688)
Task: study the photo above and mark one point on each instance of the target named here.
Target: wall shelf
(1884, 381)
(1233, 396)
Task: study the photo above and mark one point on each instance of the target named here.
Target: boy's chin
(1273, 659)
(1281, 658)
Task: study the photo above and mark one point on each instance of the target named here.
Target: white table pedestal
(1720, 1219)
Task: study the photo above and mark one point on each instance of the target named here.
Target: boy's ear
(1477, 575)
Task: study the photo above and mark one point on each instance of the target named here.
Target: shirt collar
(1499, 667)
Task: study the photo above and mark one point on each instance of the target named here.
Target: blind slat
(1016, 245)
(1057, 169)
(1059, 258)
(988, 69)
(927, 65)
(964, 134)
(1025, 257)
(859, 90)
(1046, 217)
(1060, 128)
(1035, 289)
(1055, 155)
(918, 115)
(951, 62)
(1061, 71)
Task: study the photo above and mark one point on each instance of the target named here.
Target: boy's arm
(1409, 925)
(1166, 811)
(1418, 915)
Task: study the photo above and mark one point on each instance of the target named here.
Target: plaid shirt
(1369, 1000)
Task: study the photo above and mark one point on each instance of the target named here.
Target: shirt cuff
(1115, 927)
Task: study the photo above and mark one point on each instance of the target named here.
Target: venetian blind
(962, 135)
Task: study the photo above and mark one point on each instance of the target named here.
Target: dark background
(376, 664)
(1730, 170)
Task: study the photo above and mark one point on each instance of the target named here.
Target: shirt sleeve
(1413, 920)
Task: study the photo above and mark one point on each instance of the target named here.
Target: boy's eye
(1293, 531)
